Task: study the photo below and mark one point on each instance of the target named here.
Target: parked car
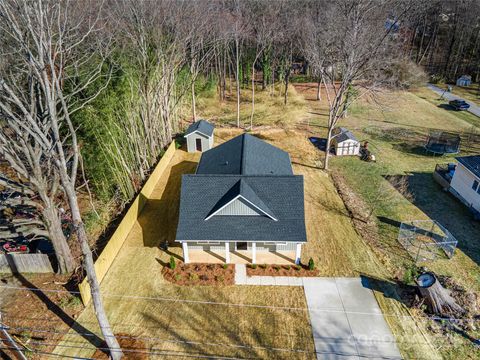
(459, 105)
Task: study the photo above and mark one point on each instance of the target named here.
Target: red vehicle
(11, 247)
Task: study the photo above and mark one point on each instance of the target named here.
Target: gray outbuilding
(199, 136)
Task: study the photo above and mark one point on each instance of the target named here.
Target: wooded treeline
(444, 37)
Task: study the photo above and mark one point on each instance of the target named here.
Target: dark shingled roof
(241, 188)
(245, 155)
(472, 163)
(281, 195)
(201, 126)
(345, 134)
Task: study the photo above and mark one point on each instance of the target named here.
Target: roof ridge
(242, 157)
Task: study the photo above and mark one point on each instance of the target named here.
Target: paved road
(347, 322)
(474, 108)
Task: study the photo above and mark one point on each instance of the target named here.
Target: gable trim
(245, 199)
(196, 131)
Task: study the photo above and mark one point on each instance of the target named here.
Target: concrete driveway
(346, 320)
(474, 108)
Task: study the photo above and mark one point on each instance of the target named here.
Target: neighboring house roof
(472, 163)
(201, 126)
(344, 134)
(278, 196)
(245, 155)
(465, 77)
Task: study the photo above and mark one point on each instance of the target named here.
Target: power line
(202, 302)
(154, 352)
(242, 346)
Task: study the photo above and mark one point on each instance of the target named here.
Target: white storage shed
(344, 142)
(199, 136)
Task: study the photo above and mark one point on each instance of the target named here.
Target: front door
(242, 246)
(198, 142)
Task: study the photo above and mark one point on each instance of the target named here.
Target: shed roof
(472, 163)
(245, 155)
(281, 196)
(201, 126)
(344, 134)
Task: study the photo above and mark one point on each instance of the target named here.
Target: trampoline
(442, 142)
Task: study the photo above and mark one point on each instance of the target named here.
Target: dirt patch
(200, 274)
(281, 270)
(133, 349)
(38, 319)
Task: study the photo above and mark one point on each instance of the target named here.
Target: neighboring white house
(464, 80)
(199, 136)
(465, 182)
(344, 142)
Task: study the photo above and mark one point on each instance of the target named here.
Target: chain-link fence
(426, 240)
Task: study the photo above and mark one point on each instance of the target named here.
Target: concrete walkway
(474, 108)
(346, 320)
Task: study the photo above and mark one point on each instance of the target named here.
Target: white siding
(462, 182)
(262, 246)
(347, 147)
(207, 142)
(289, 246)
(237, 207)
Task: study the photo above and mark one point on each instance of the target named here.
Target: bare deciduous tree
(53, 69)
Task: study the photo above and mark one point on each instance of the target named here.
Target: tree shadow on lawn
(159, 217)
(390, 289)
(91, 337)
(442, 206)
(212, 328)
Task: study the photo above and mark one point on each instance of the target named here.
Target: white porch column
(298, 253)
(254, 253)
(185, 252)
(227, 252)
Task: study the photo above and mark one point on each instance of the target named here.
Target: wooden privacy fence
(25, 263)
(105, 260)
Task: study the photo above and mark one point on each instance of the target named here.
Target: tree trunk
(319, 84)
(237, 75)
(194, 106)
(287, 77)
(253, 96)
(327, 147)
(65, 260)
(110, 339)
(437, 297)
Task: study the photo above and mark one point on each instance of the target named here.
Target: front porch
(242, 257)
(253, 253)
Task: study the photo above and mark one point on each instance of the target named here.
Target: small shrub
(276, 267)
(287, 267)
(172, 264)
(70, 302)
(298, 267)
(410, 274)
(225, 266)
(178, 277)
(311, 264)
(253, 266)
(193, 277)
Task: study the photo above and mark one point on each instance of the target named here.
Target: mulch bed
(126, 342)
(280, 270)
(200, 274)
